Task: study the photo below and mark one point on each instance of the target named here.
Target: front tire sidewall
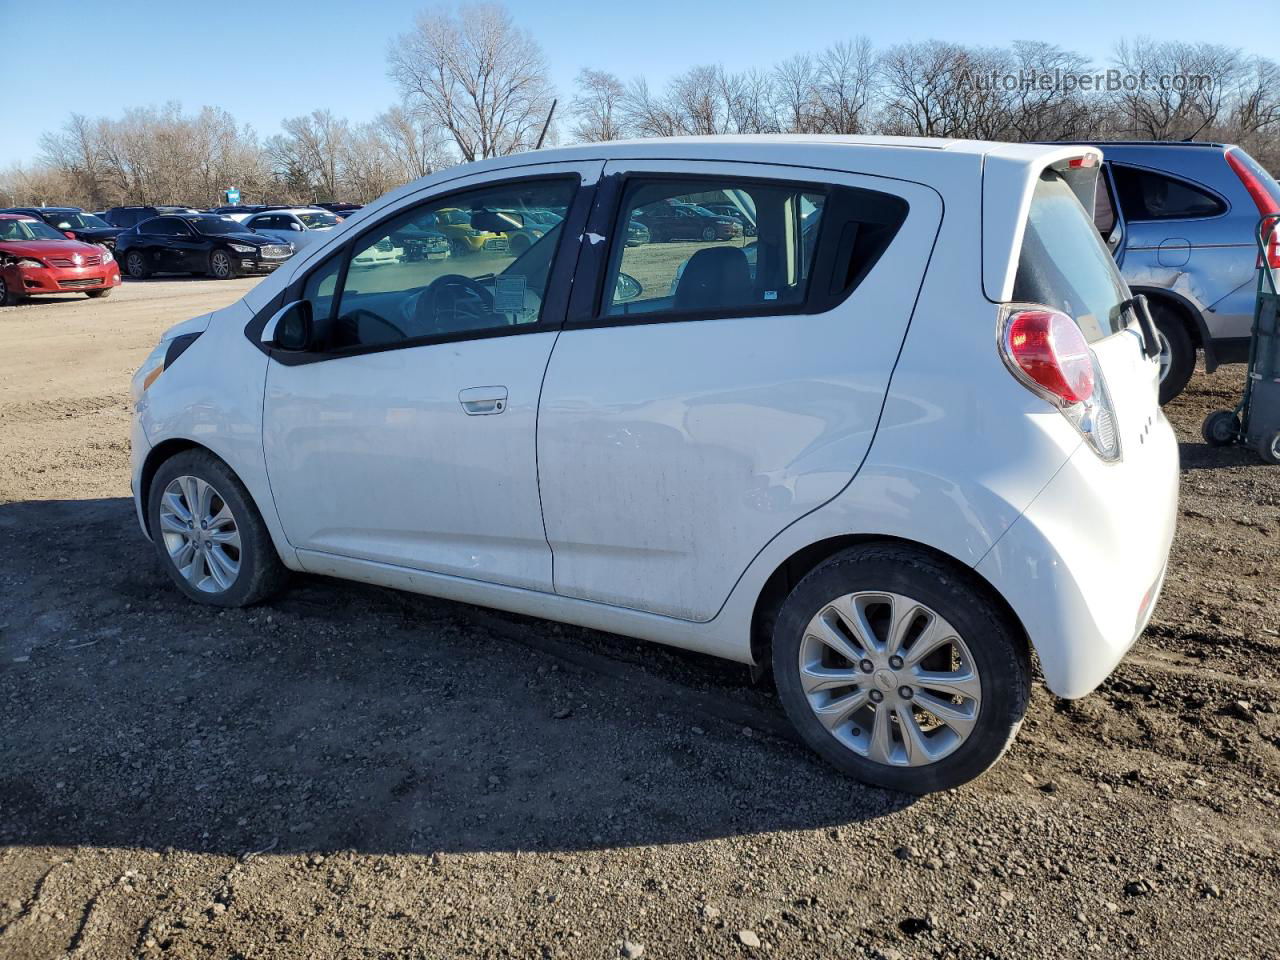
(222, 265)
(997, 649)
(261, 572)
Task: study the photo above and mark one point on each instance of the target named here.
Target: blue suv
(1180, 220)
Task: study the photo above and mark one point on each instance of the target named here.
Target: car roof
(18, 216)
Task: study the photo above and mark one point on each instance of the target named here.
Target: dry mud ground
(351, 772)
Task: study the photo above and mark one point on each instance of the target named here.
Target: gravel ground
(351, 772)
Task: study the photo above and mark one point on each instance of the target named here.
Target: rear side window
(1146, 195)
(1064, 264)
(724, 247)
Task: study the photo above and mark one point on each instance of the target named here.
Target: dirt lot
(349, 772)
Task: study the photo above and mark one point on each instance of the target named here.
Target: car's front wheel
(900, 671)
(209, 536)
(8, 298)
(98, 294)
(221, 265)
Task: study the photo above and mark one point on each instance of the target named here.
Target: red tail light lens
(1049, 349)
(1262, 199)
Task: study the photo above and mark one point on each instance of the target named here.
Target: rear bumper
(1084, 565)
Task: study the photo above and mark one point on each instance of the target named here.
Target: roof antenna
(550, 113)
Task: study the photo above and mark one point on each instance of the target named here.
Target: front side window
(466, 264)
(1146, 195)
(685, 257)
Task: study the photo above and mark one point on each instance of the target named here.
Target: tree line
(474, 84)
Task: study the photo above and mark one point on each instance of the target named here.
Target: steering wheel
(350, 326)
(452, 303)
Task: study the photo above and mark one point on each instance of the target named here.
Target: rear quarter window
(1063, 263)
(1147, 195)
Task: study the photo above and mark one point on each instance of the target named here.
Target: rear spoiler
(1009, 176)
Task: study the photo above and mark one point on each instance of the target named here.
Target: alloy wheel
(135, 265)
(1166, 354)
(889, 678)
(200, 534)
(220, 264)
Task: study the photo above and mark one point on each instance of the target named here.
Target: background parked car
(729, 210)
(240, 211)
(419, 243)
(670, 220)
(36, 259)
(341, 209)
(296, 225)
(1180, 220)
(132, 216)
(463, 238)
(73, 220)
(637, 233)
(198, 243)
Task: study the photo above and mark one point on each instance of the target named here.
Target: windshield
(1064, 264)
(318, 221)
(216, 226)
(28, 230)
(75, 221)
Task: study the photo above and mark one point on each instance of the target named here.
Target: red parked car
(36, 259)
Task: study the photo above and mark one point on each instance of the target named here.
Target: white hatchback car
(889, 446)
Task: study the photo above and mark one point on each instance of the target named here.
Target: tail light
(1046, 351)
(1262, 199)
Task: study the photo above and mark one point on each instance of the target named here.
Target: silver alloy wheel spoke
(202, 543)
(889, 678)
(815, 677)
(839, 710)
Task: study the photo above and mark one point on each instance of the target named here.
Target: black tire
(459, 248)
(7, 297)
(98, 294)
(999, 654)
(519, 245)
(135, 265)
(1269, 448)
(708, 234)
(1182, 350)
(260, 573)
(1220, 428)
(222, 264)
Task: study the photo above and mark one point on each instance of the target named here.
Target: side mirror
(68, 234)
(627, 288)
(295, 226)
(291, 328)
(492, 221)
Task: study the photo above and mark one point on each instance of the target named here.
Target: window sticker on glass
(508, 294)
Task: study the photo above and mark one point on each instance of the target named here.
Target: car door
(715, 392)
(405, 434)
(154, 238)
(188, 248)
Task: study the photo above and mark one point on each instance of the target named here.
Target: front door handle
(479, 401)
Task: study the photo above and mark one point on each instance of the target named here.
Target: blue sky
(273, 59)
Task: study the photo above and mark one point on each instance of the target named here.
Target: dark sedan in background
(686, 221)
(82, 226)
(198, 243)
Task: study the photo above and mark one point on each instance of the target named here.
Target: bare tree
(476, 75)
(308, 154)
(843, 86)
(1183, 89)
(598, 106)
(414, 147)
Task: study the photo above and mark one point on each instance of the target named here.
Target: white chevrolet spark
(890, 438)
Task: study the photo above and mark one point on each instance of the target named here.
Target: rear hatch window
(1065, 265)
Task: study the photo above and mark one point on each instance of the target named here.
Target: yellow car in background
(463, 239)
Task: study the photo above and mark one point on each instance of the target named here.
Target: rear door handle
(479, 401)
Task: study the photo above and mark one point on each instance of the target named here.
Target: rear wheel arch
(779, 584)
(1186, 311)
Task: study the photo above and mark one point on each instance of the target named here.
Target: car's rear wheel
(1177, 351)
(708, 233)
(222, 266)
(135, 264)
(98, 294)
(900, 671)
(209, 536)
